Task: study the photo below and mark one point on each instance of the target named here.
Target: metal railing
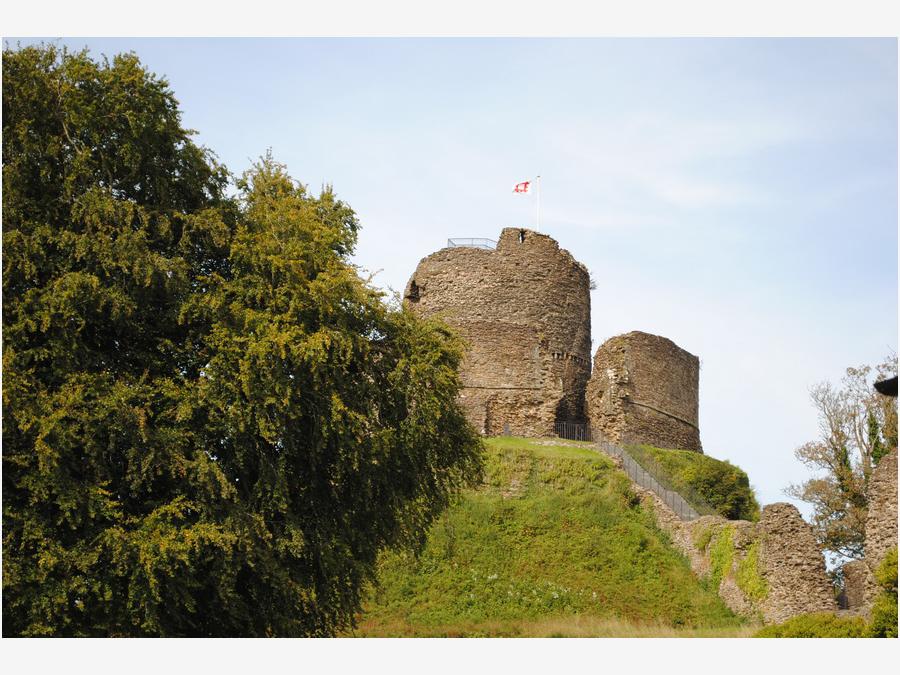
(573, 431)
(471, 242)
(642, 477)
(662, 475)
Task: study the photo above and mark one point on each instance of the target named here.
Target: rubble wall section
(645, 389)
(772, 568)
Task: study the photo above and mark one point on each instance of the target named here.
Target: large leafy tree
(212, 425)
(858, 426)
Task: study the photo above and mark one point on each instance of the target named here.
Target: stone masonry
(524, 310)
(881, 520)
(857, 580)
(860, 587)
(788, 560)
(645, 389)
(793, 566)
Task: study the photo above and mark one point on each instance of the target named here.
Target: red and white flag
(523, 188)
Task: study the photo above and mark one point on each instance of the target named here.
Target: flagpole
(538, 181)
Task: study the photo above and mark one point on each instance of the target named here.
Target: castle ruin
(524, 310)
(860, 586)
(779, 552)
(645, 389)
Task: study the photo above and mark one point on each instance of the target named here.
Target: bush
(721, 556)
(824, 624)
(886, 573)
(884, 616)
(718, 483)
(884, 611)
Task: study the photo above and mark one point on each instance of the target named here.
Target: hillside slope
(554, 542)
(702, 480)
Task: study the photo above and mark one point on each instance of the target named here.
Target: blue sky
(738, 196)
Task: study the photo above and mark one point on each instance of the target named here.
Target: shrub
(886, 573)
(823, 624)
(884, 616)
(884, 611)
(718, 483)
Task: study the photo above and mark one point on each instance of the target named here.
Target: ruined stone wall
(645, 389)
(788, 563)
(524, 310)
(793, 566)
(860, 587)
(881, 520)
(857, 580)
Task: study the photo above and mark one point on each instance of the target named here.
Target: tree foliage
(857, 427)
(212, 425)
(709, 484)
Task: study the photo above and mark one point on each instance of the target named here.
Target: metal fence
(472, 242)
(645, 479)
(653, 467)
(573, 431)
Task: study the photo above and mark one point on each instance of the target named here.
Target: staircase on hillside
(644, 479)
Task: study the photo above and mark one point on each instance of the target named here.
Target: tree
(212, 425)
(858, 427)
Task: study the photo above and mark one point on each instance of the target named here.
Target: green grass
(700, 478)
(823, 624)
(554, 543)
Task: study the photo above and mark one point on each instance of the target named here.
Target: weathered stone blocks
(778, 554)
(793, 566)
(524, 309)
(645, 389)
(881, 519)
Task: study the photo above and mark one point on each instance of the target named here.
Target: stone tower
(524, 309)
(645, 389)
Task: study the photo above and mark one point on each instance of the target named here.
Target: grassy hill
(554, 543)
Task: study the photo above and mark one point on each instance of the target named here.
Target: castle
(524, 309)
(644, 389)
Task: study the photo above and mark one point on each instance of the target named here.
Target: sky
(738, 196)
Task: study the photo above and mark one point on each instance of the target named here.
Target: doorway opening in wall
(571, 423)
(413, 294)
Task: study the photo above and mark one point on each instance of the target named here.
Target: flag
(523, 188)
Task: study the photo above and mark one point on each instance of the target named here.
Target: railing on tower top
(471, 242)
